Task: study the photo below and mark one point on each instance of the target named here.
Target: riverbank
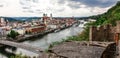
(44, 41)
(41, 34)
(36, 35)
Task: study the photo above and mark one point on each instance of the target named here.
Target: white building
(52, 26)
(2, 22)
(2, 31)
(91, 20)
(20, 31)
(51, 17)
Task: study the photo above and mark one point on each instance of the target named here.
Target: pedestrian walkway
(21, 45)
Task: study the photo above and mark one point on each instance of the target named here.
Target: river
(43, 42)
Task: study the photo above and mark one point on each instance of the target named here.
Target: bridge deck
(21, 45)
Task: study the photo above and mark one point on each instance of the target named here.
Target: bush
(13, 34)
(20, 56)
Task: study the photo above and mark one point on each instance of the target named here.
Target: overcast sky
(64, 8)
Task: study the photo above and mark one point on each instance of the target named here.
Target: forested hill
(110, 17)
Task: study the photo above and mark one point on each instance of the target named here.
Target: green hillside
(110, 17)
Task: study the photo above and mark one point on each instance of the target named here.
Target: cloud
(3, 4)
(35, 1)
(43, 6)
(95, 3)
(61, 1)
(74, 5)
(57, 7)
(26, 7)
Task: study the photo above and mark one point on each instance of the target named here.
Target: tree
(13, 34)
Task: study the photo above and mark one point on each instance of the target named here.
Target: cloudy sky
(64, 8)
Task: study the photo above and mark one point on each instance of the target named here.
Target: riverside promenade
(31, 48)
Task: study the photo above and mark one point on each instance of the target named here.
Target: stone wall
(110, 51)
(102, 33)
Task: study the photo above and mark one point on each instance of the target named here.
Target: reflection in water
(44, 41)
(7, 53)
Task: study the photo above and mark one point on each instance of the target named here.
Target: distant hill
(31, 18)
(12, 19)
(26, 18)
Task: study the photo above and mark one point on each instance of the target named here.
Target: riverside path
(21, 45)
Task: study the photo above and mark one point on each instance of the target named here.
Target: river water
(43, 42)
